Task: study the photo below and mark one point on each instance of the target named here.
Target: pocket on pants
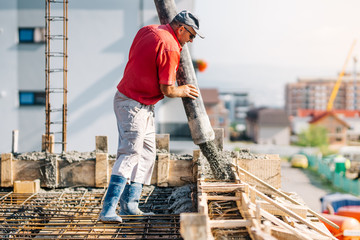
(132, 140)
(129, 116)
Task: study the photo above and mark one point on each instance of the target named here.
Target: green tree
(314, 136)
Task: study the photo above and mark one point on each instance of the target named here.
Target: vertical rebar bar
(47, 76)
(48, 89)
(65, 32)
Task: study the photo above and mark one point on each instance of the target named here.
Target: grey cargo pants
(136, 148)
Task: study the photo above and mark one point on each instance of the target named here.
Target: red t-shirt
(153, 60)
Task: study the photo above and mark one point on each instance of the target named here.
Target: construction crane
(338, 82)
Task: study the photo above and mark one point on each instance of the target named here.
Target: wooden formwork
(92, 172)
(250, 207)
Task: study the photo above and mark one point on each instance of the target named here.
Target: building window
(30, 98)
(338, 129)
(221, 120)
(32, 35)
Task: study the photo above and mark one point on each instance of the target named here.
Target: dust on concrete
(244, 153)
(71, 156)
(218, 161)
(173, 156)
(49, 162)
(48, 171)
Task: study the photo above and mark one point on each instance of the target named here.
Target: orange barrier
(349, 211)
(345, 223)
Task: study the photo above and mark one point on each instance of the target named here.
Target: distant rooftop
(269, 116)
(210, 95)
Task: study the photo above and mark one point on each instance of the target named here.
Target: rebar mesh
(73, 215)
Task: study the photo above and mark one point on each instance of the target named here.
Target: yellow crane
(338, 82)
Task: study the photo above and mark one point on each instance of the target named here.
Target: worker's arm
(173, 91)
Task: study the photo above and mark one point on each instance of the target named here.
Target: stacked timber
(252, 206)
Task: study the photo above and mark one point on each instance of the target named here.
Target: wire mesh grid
(73, 215)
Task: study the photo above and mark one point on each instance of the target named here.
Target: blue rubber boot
(129, 201)
(115, 189)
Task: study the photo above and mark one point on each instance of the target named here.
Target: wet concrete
(218, 161)
(183, 200)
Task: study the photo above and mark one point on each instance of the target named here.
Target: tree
(314, 136)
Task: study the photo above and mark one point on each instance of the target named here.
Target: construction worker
(149, 75)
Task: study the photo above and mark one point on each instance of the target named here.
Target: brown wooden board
(81, 173)
(266, 167)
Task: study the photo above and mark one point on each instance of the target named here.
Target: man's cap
(189, 19)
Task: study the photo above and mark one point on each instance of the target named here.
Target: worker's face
(186, 34)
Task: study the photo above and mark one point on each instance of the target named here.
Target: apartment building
(314, 93)
(237, 103)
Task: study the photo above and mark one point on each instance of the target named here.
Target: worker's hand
(172, 91)
(189, 90)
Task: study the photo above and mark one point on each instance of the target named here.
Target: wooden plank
(52, 143)
(202, 204)
(246, 212)
(283, 234)
(195, 164)
(231, 223)
(163, 169)
(277, 221)
(195, 226)
(255, 231)
(83, 173)
(27, 186)
(28, 170)
(180, 172)
(259, 234)
(101, 144)
(223, 198)
(7, 170)
(163, 142)
(79, 173)
(222, 189)
(101, 170)
(294, 215)
(266, 167)
(221, 184)
(299, 210)
(280, 193)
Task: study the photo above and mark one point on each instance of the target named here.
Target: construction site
(210, 194)
(188, 202)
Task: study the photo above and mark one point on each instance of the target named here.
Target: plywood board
(266, 167)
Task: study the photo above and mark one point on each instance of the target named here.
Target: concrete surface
(306, 184)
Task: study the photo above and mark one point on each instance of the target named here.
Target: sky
(260, 45)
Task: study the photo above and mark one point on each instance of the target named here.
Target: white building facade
(100, 33)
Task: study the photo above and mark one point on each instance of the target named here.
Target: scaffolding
(56, 73)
